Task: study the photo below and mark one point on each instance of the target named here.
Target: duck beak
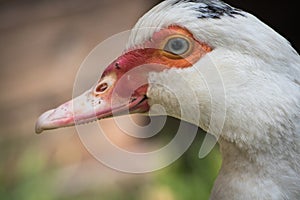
(121, 90)
(89, 107)
(114, 94)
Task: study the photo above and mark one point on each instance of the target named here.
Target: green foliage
(27, 173)
(191, 177)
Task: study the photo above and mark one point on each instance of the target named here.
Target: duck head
(124, 86)
(189, 50)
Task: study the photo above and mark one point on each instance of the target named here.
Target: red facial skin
(155, 58)
(136, 62)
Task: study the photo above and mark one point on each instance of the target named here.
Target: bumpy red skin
(128, 77)
(152, 57)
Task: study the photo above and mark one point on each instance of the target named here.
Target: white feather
(260, 71)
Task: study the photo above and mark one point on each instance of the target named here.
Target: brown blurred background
(42, 44)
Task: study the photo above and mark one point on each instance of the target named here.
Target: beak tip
(41, 122)
(38, 129)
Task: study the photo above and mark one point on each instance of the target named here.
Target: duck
(219, 68)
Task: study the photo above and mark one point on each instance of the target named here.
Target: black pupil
(177, 45)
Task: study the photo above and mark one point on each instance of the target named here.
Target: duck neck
(254, 174)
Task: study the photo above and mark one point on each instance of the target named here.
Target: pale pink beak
(87, 108)
(112, 95)
(67, 114)
(121, 90)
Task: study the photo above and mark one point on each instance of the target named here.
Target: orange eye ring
(177, 42)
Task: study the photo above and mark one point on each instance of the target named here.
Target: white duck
(260, 72)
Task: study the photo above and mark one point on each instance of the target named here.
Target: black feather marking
(212, 8)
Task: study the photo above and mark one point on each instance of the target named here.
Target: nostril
(117, 65)
(101, 88)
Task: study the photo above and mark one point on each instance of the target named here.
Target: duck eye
(177, 46)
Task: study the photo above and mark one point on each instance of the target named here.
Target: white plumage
(260, 74)
(260, 141)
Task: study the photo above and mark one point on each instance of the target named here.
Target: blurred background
(42, 45)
